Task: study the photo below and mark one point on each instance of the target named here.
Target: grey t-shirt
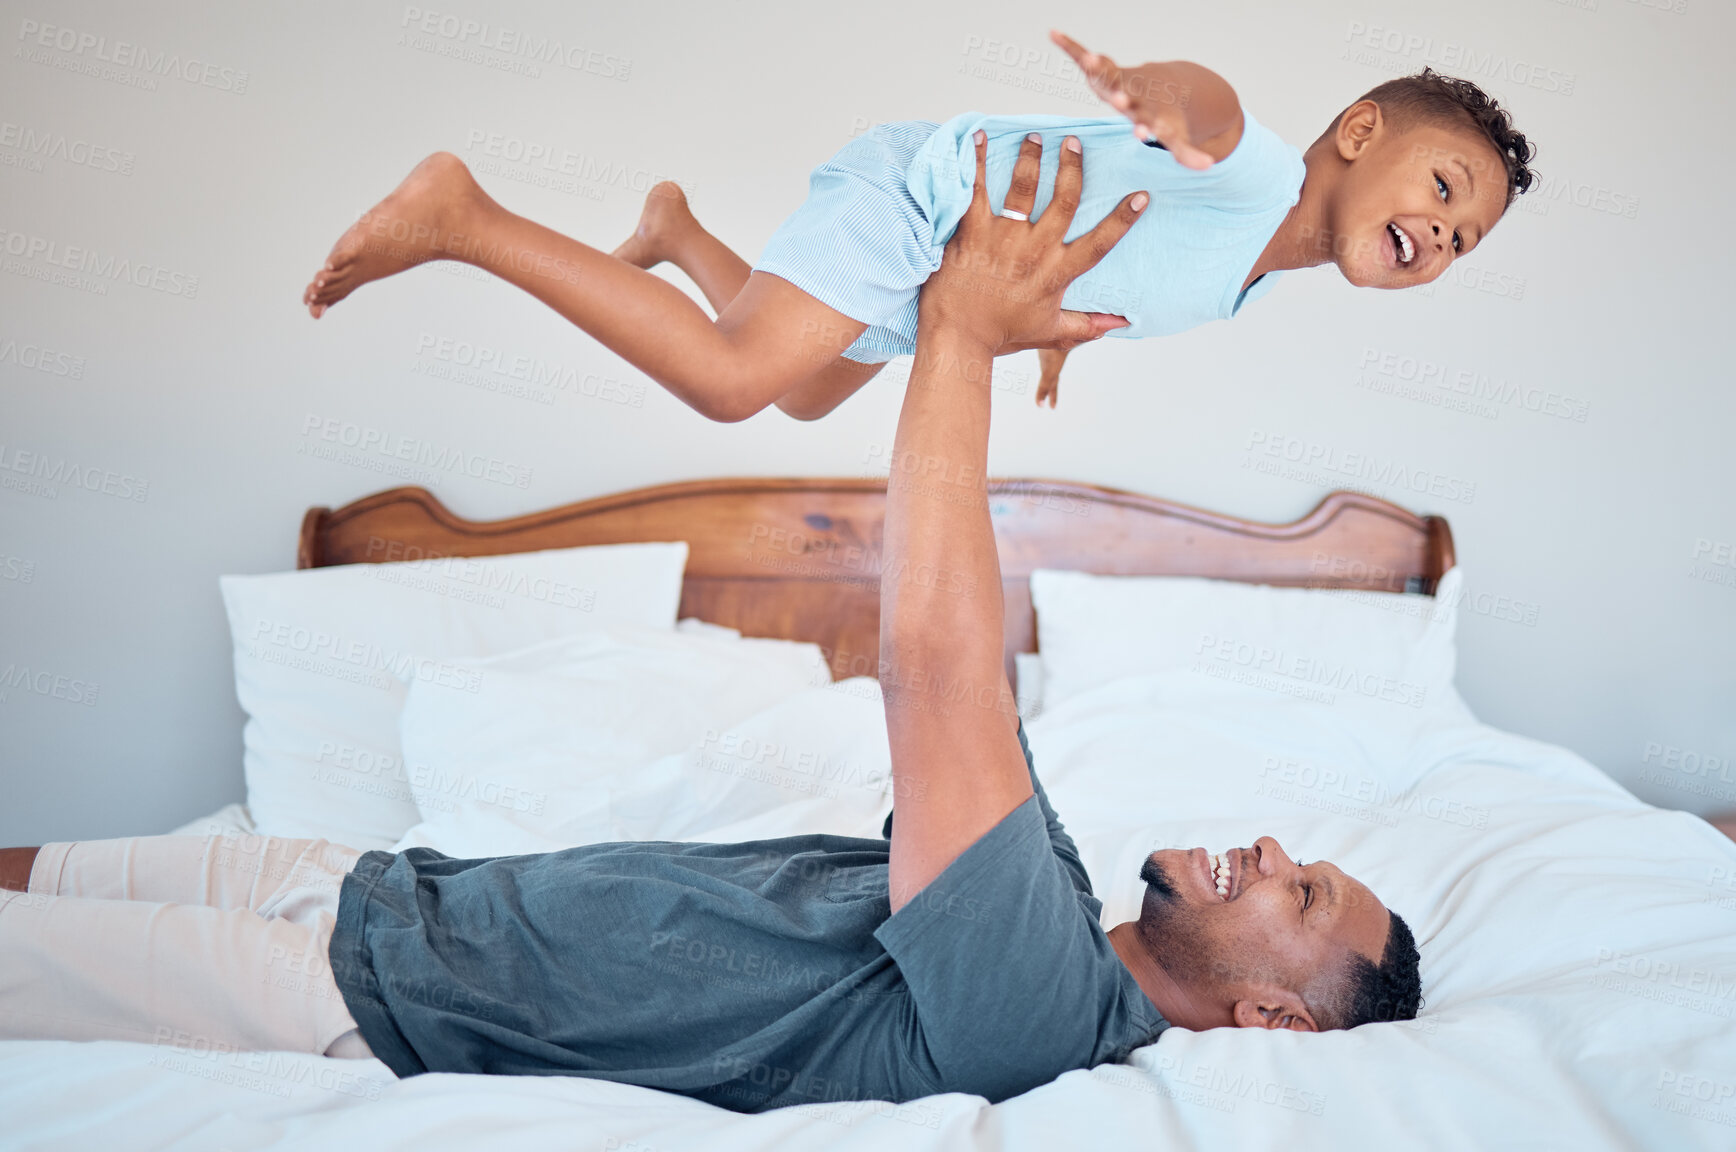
(752, 976)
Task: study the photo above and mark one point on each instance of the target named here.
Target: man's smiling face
(1255, 917)
(1410, 203)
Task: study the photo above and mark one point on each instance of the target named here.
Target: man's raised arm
(956, 762)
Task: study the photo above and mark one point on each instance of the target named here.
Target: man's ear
(1274, 1008)
(1356, 128)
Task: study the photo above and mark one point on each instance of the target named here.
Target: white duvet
(1579, 959)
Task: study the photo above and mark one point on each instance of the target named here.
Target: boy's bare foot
(427, 217)
(662, 221)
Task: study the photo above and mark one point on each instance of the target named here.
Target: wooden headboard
(800, 559)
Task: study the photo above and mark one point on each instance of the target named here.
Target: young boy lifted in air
(1407, 179)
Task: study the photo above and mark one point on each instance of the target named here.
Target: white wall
(1590, 528)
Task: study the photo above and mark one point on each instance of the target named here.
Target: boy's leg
(668, 231)
(839, 381)
(770, 338)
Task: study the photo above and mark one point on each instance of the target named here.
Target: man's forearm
(998, 287)
(941, 608)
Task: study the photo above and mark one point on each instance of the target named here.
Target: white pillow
(818, 761)
(1028, 684)
(317, 654)
(553, 728)
(1328, 645)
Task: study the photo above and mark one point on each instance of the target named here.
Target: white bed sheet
(1579, 953)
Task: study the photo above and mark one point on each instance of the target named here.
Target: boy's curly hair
(1430, 96)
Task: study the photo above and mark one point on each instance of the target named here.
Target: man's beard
(1155, 877)
(1176, 934)
(1172, 929)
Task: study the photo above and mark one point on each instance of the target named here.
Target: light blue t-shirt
(1182, 264)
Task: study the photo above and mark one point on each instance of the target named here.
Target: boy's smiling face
(1409, 201)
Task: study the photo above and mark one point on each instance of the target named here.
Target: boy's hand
(1147, 95)
(1001, 278)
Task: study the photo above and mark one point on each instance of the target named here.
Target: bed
(1579, 946)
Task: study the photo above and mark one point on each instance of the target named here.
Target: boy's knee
(728, 409)
(734, 392)
(796, 409)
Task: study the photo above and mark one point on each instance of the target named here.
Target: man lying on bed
(962, 955)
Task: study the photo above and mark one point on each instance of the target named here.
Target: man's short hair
(1429, 97)
(1391, 990)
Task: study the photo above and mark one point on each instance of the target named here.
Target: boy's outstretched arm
(1189, 109)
